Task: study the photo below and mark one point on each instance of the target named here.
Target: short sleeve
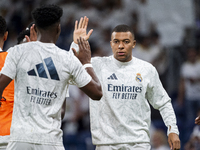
(10, 65)
(79, 75)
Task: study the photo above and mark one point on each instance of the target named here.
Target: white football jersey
(123, 113)
(42, 72)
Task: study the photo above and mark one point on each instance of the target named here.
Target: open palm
(80, 29)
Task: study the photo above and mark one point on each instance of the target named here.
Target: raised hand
(84, 54)
(80, 29)
(33, 34)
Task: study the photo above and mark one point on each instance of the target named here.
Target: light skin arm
(93, 88)
(80, 29)
(174, 141)
(4, 81)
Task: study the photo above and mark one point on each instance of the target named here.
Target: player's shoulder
(98, 59)
(142, 63)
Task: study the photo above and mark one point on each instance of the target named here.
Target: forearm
(169, 118)
(4, 81)
(91, 72)
(95, 91)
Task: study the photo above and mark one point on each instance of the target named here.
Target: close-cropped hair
(123, 28)
(3, 26)
(47, 15)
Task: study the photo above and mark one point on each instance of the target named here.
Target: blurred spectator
(144, 21)
(189, 90)
(159, 140)
(194, 141)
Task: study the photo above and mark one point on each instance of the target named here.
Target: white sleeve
(75, 46)
(10, 64)
(80, 77)
(160, 100)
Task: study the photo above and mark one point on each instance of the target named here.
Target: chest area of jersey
(123, 84)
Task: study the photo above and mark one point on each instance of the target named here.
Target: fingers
(74, 51)
(176, 145)
(27, 38)
(83, 44)
(197, 121)
(174, 141)
(170, 144)
(85, 22)
(76, 25)
(89, 34)
(33, 34)
(82, 23)
(80, 42)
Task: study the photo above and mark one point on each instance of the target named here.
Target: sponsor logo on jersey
(138, 77)
(124, 92)
(42, 72)
(41, 97)
(113, 77)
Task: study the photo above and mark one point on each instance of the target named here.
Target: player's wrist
(87, 65)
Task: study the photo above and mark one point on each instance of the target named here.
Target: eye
(126, 42)
(115, 41)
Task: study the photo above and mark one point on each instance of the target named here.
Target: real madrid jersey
(123, 113)
(41, 72)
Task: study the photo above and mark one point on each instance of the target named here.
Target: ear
(110, 43)
(35, 28)
(5, 36)
(134, 43)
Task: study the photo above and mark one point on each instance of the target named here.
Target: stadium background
(171, 25)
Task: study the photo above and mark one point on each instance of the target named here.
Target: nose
(121, 45)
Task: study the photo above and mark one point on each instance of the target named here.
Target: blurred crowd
(167, 35)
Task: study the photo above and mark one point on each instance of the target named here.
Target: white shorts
(32, 146)
(139, 146)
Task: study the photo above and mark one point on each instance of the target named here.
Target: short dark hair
(47, 15)
(3, 26)
(123, 28)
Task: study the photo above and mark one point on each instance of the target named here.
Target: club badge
(138, 77)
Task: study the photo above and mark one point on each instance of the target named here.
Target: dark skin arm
(93, 88)
(4, 81)
(197, 120)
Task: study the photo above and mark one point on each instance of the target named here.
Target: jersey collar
(119, 63)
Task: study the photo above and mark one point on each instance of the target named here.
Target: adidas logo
(113, 77)
(50, 68)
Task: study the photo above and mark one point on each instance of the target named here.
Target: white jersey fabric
(41, 72)
(191, 70)
(123, 113)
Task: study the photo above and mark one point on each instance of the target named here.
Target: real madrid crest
(138, 77)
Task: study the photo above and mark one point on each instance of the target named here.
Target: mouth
(121, 53)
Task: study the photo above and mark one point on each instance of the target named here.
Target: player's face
(122, 44)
